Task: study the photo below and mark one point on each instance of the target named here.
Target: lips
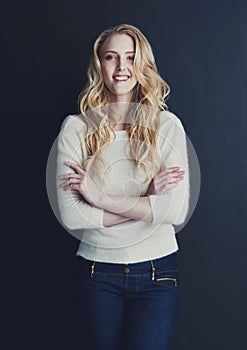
(121, 78)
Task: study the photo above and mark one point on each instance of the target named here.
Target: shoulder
(169, 119)
(73, 122)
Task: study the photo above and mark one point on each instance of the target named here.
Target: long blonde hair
(148, 100)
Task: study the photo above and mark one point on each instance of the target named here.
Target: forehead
(119, 43)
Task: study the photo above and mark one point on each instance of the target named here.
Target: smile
(121, 78)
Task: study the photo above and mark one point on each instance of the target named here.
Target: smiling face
(117, 57)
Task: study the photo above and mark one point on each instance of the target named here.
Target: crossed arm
(83, 205)
(118, 209)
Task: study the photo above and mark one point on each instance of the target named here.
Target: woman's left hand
(81, 182)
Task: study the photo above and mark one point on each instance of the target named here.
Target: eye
(131, 58)
(110, 57)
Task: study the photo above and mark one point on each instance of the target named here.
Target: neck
(126, 98)
(117, 114)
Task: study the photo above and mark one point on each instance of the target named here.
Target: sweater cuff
(82, 216)
(98, 217)
(160, 207)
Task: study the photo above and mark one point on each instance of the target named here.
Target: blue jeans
(127, 306)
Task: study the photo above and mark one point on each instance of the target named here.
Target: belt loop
(153, 270)
(92, 269)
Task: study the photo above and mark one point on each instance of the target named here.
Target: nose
(121, 64)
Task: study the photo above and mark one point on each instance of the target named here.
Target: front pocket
(174, 280)
(167, 278)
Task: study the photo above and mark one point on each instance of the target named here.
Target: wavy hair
(148, 100)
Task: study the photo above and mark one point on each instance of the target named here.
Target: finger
(173, 174)
(169, 186)
(179, 176)
(176, 178)
(173, 167)
(168, 171)
(173, 171)
(169, 174)
(171, 182)
(71, 181)
(167, 178)
(72, 187)
(76, 167)
(67, 176)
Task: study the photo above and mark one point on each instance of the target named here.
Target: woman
(125, 182)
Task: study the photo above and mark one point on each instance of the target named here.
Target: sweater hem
(134, 254)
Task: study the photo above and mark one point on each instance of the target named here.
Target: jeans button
(126, 270)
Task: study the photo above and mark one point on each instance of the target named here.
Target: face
(117, 64)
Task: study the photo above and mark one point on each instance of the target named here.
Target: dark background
(200, 50)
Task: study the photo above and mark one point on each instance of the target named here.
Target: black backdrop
(201, 52)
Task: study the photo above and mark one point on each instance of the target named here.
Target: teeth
(121, 78)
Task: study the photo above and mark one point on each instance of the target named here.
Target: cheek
(106, 71)
(132, 70)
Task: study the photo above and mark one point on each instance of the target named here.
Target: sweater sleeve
(75, 212)
(172, 207)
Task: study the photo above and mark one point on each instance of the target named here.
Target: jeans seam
(134, 275)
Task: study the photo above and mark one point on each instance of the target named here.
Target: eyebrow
(117, 52)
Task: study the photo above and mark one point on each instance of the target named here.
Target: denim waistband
(168, 262)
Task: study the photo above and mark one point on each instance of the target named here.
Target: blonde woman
(123, 164)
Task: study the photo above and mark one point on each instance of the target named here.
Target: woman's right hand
(166, 179)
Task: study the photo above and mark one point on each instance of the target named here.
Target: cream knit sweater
(131, 241)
